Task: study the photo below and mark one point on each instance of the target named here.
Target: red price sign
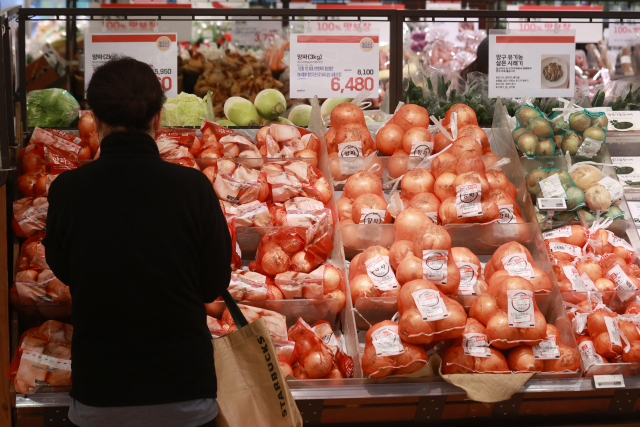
(358, 84)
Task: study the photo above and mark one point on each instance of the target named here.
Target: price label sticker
(547, 349)
(350, 154)
(507, 215)
(608, 381)
(476, 345)
(518, 265)
(551, 204)
(158, 50)
(614, 187)
(434, 266)
(421, 149)
(520, 309)
(334, 66)
(372, 216)
(620, 278)
(430, 304)
(254, 33)
(387, 342)
(572, 250)
(380, 272)
(552, 187)
(588, 355)
(468, 200)
(589, 148)
(468, 278)
(558, 232)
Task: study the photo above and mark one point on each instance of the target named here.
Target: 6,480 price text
(357, 84)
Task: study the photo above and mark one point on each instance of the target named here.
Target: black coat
(142, 244)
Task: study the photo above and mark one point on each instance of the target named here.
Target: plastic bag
(281, 140)
(236, 259)
(43, 358)
(29, 216)
(315, 359)
(580, 132)
(253, 214)
(276, 322)
(238, 184)
(51, 108)
(248, 286)
(296, 179)
(555, 183)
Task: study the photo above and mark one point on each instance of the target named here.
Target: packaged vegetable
(51, 108)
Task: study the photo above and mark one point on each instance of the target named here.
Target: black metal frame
(7, 130)
(396, 18)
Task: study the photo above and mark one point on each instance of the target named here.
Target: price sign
(333, 66)
(525, 64)
(608, 381)
(624, 35)
(254, 33)
(158, 50)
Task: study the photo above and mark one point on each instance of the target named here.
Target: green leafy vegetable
(51, 108)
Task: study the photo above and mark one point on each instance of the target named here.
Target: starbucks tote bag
(252, 391)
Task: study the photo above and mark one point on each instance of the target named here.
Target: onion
(571, 142)
(356, 132)
(472, 326)
(476, 133)
(400, 250)
(408, 222)
(332, 278)
(501, 198)
(362, 287)
(498, 329)
(579, 121)
(472, 178)
(374, 366)
(344, 206)
(317, 364)
(398, 163)
(362, 182)
(598, 198)
(495, 363)
(517, 132)
(541, 283)
(540, 127)
(416, 181)
(471, 164)
(349, 234)
(629, 330)
(521, 359)
(431, 237)
(546, 147)
(465, 255)
(413, 359)
(290, 244)
(457, 319)
(329, 137)
(603, 237)
(275, 261)
(596, 323)
(528, 144)
(425, 202)
(511, 190)
(372, 252)
(525, 114)
(534, 178)
(465, 116)
(604, 347)
(414, 134)
(445, 162)
(405, 298)
(454, 361)
(303, 262)
(389, 139)
(410, 268)
(346, 113)
(413, 329)
(340, 296)
(356, 267)
(591, 268)
(453, 277)
(371, 330)
(466, 146)
(497, 180)
(484, 308)
(444, 188)
(440, 142)
(411, 115)
(610, 261)
(448, 213)
(507, 249)
(633, 356)
(586, 176)
(369, 201)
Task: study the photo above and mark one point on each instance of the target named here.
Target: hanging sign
(254, 33)
(158, 50)
(522, 64)
(624, 35)
(333, 66)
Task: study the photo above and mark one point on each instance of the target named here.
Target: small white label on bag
(579, 322)
(521, 311)
(421, 149)
(558, 233)
(468, 200)
(551, 204)
(350, 153)
(588, 283)
(518, 265)
(574, 277)
(620, 278)
(434, 266)
(618, 242)
(552, 187)
(612, 328)
(430, 304)
(468, 278)
(372, 216)
(507, 215)
(476, 345)
(614, 187)
(589, 148)
(381, 274)
(588, 355)
(574, 251)
(387, 342)
(547, 349)
(608, 381)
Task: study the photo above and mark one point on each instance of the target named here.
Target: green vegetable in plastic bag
(555, 183)
(52, 108)
(185, 110)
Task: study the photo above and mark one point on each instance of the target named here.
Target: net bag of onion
(252, 214)
(276, 322)
(514, 260)
(301, 212)
(35, 283)
(297, 248)
(220, 142)
(315, 358)
(216, 327)
(342, 363)
(280, 140)
(287, 356)
(29, 216)
(580, 132)
(555, 183)
(325, 282)
(386, 354)
(296, 179)
(250, 286)
(534, 135)
(238, 184)
(43, 358)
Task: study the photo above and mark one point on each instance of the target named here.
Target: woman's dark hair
(125, 93)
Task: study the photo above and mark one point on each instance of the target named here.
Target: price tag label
(430, 305)
(608, 381)
(380, 272)
(158, 50)
(476, 345)
(254, 33)
(387, 342)
(333, 66)
(520, 310)
(551, 204)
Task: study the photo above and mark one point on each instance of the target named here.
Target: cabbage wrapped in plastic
(185, 110)
(52, 108)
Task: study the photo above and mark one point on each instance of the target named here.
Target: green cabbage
(52, 108)
(185, 110)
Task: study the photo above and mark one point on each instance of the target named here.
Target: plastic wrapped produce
(51, 108)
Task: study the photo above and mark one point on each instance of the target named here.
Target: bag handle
(234, 310)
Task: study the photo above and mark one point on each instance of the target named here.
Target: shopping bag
(252, 391)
